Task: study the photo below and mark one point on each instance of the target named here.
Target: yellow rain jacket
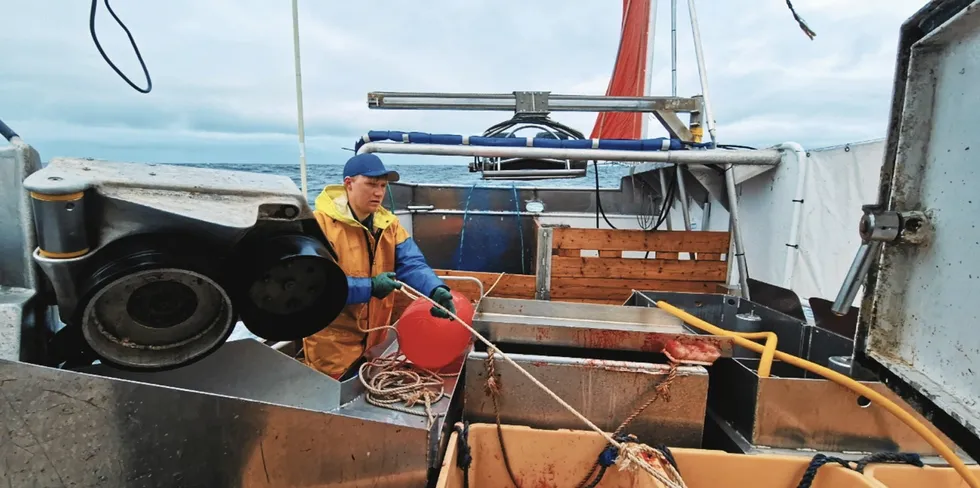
(362, 255)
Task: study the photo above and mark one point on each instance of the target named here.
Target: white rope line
(631, 454)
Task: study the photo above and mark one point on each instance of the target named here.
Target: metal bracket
(877, 227)
(542, 276)
(535, 102)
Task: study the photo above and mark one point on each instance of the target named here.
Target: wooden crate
(604, 266)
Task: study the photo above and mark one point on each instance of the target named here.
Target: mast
(299, 101)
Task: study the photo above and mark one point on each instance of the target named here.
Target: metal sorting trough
(792, 409)
(584, 325)
(246, 415)
(605, 391)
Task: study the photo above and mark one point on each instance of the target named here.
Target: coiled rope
(629, 455)
(393, 382)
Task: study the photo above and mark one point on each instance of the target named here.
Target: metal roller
(60, 223)
(288, 286)
(155, 302)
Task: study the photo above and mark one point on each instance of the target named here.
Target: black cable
(734, 146)
(598, 201)
(668, 201)
(464, 456)
(7, 132)
(95, 38)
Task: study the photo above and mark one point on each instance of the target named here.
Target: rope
(635, 457)
(662, 390)
(394, 383)
(492, 389)
(462, 229)
(392, 379)
(820, 460)
(465, 456)
(494, 285)
(799, 20)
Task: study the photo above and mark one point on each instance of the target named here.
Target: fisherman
(374, 250)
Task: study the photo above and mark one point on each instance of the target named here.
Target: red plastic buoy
(432, 342)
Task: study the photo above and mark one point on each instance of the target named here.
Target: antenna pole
(299, 101)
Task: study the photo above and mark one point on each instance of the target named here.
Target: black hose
(7, 132)
(598, 200)
(91, 29)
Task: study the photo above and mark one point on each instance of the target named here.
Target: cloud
(224, 81)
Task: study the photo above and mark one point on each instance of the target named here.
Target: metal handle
(855, 276)
(420, 208)
(465, 278)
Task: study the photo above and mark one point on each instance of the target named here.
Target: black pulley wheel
(288, 287)
(155, 302)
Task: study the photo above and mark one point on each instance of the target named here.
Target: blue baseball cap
(368, 165)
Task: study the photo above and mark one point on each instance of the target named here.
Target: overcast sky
(223, 79)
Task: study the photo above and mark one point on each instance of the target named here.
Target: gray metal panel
(724, 311)
(542, 264)
(718, 430)
(19, 316)
(61, 428)
(921, 318)
(244, 369)
(17, 238)
(18, 319)
(606, 392)
(794, 410)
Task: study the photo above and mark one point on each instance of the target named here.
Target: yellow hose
(840, 379)
(768, 350)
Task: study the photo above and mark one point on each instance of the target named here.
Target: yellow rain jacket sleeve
(335, 348)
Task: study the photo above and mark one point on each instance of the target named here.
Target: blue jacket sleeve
(411, 268)
(358, 290)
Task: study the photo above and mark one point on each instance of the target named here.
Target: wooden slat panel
(666, 255)
(567, 252)
(639, 269)
(707, 256)
(510, 286)
(610, 254)
(610, 288)
(636, 240)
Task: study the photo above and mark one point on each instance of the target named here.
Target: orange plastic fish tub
(561, 458)
(901, 476)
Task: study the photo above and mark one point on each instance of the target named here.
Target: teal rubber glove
(383, 284)
(443, 297)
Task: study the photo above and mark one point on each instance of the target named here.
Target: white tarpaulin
(838, 181)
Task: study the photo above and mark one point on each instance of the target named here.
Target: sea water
(320, 175)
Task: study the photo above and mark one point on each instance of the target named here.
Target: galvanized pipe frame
(544, 102)
(763, 157)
